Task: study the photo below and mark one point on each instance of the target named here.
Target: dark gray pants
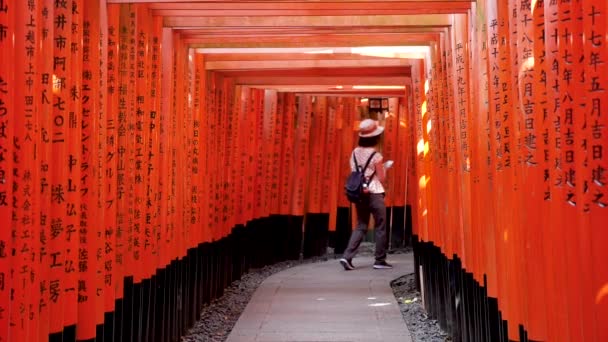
(374, 204)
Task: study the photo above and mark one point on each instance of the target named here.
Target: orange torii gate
(141, 172)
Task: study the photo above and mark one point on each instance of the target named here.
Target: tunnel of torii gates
(153, 152)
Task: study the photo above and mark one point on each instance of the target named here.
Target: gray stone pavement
(322, 302)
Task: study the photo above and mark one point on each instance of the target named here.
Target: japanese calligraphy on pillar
(24, 225)
(7, 95)
(122, 132)
(90, 216)
(595, 60)
(530, 110)
(317, 145)
(100, 48)
(329, 195)
(277, 137)
(287, 174)
(569, 113)
(60, 186)
(111, 276)
(153, 158)
(301, 153)
(461, 164)
(240, 155)
(73, 144)
(163, 151)
(595, 26)
(141, 123)
(251, 153)
(196, 170)
(269, 113)
(45, 108)
(259, 160)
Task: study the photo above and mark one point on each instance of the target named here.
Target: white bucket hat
(369, 128)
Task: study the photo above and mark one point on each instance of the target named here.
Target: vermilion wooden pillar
(595, 25)
(287, 151)
(73, 140)
(460, 86)
(302, 154)
(7, 97)
(59, 181)
(23, 222)
(568, 120)
(113, 271)
(529, 103)
(45, 109)
(553, 177)
(91, 217)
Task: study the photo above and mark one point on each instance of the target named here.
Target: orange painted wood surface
(7, 96)
(45, 108)
(595, 21)
(122, 147)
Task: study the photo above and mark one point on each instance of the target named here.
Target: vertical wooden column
(153, 169)
(569, 116)
(73, 162)
(430, 135)
(461, 84)
(595, 25)
(482, 152)
(250, 150)
(579, 147)
(120, 92)
(23, 224)
(203, 148)
(513, 164)
(237, 163)
(278, 141)
(448, 138)
(112, 271)
(558, 275)
(317, 130)
(7, 96)
(331, 180)
(59, 183)
(347, 123)
(268, 147)
(539, 125)
(139, 112)
(403, 168)
(45, 117)
(496, 52)
(529, 97)
(100, 48)
(422, 146)
(91, 218)
(287, 151)
(199, 146)
(302, 154)
(389, 148)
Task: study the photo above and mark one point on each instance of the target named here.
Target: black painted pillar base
(294, 237)
(163, 307)
(457, 300)
(315, 235)
(343, 230)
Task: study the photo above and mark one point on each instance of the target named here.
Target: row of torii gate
(144, 146)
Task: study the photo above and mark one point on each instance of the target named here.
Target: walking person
(372, 199)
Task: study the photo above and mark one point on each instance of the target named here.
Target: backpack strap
(368, 161)
(365, 167)
(355, 160)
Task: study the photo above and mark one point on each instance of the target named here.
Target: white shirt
(362, 154)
